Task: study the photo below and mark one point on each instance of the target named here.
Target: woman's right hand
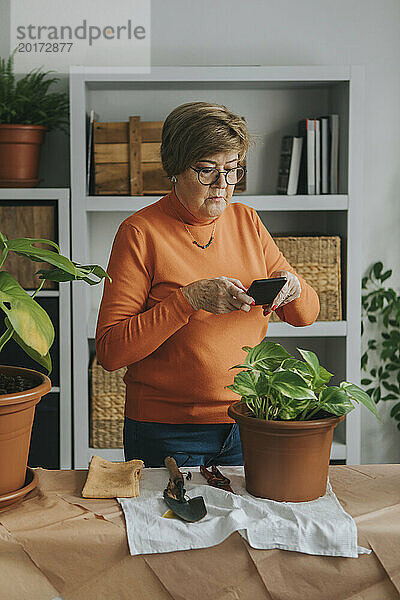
(218, 296)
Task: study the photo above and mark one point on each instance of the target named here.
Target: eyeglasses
(210, 175)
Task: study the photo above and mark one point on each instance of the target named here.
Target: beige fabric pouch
(107, 479)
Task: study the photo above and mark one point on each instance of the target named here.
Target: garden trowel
(190, 510)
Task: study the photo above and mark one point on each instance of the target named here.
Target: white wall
(295, 32)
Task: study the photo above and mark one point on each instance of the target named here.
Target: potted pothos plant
(27, 111)
(286, 417)
(28, 324)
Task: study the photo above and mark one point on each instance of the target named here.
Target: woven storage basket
(317, 260)
(107, 403)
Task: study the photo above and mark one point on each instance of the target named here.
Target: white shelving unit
(272, 99)
(61, 197)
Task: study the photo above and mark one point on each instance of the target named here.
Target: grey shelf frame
(118, 80)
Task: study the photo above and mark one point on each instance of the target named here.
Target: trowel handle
(173, 470)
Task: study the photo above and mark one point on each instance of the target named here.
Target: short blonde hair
(198, 129)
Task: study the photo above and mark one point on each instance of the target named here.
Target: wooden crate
(31, 222)
(127, 159)
(317, 260)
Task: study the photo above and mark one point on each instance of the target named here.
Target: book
(295, 166)
(317, 125)
(334, 152)
(325, 155)
(289, 165)
(89, 136)
(306, 128)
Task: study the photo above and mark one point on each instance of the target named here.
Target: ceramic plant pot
(17, 411)
(286, 461)
(19, 154)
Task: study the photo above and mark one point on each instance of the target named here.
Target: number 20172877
(45, 46)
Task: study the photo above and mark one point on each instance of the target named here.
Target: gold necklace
(203, 247)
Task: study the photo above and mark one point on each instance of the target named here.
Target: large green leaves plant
(380, 329)
(26, 321)
(277, 386)
(28, 100)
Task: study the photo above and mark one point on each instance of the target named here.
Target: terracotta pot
(16, 419)
(19, 154)
(285, 460)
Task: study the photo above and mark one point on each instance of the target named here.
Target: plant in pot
(27, 111)
(380, 329)
(28, 324)
(286, 419)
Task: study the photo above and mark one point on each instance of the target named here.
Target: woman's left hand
(290, 291)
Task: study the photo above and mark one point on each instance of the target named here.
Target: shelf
(317, 329)
(45, 293)
(338, 452)
(276, 98)
(259, 202)
(226, 76)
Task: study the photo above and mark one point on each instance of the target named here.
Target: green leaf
(377, 269)
(291, 408)
(389, 397)
(7, 335)
(84, 270)
(386, 276)
(299, 367)
(25, 247)
(291, 385)
(376, 396)
(311, 359)
(395, 410)
(243, 366)
(244, 384)
(28, 319)
(45, 360)
(262, 385)
(325, 375)
(364, 361)
(335, 400)
(390, 387)
(321, 375)
(366, 381)
(268, 354)
(356, 393)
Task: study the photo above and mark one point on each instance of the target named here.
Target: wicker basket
(107, 404)
(317, 260)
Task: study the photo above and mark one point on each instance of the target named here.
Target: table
(56, 544)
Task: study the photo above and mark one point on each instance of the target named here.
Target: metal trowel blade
(191, 510)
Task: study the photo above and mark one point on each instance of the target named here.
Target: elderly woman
(177, 313)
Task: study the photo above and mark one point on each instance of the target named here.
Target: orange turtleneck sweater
(178, 358)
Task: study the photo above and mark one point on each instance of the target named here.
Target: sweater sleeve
(127, 332)
(302, 311)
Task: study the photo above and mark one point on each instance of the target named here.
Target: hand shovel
(174, 495)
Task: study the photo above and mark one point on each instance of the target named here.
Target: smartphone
(264, 291)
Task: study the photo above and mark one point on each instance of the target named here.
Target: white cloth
(320, 526)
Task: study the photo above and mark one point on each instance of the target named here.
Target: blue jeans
(190, 444)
